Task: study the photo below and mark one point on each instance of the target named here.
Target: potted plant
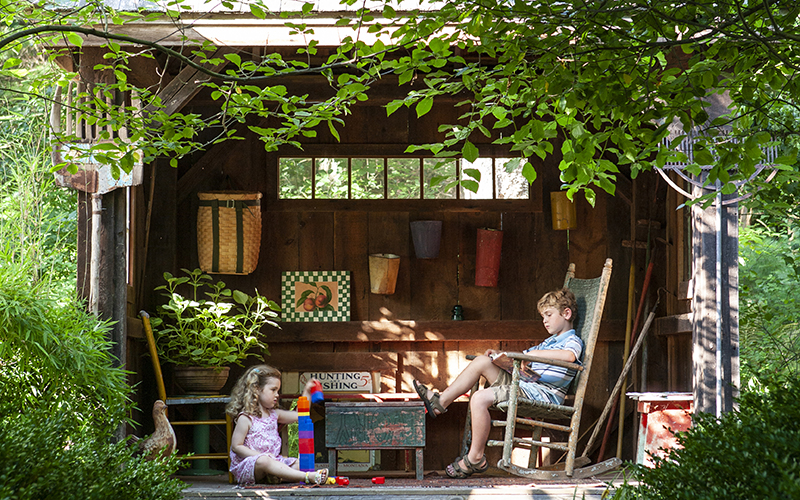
(210, 329)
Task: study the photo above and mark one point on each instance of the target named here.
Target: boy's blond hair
(561, 300)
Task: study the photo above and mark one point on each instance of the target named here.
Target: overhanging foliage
(609, 78)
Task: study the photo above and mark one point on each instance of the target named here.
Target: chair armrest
(537, 359)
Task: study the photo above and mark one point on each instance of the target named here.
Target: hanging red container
(487, 258)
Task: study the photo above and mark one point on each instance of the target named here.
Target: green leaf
(424, 106)
(394, 106)
(334, 133)
(11, 62)
(234, 58)
(469, 152)
(529, 172)
(703, 157)
(75, 39)
(790, 158)
(240, 297)
(405, 76)
(470, 185)
(257, 11)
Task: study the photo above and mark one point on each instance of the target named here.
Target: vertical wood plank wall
(534, 260)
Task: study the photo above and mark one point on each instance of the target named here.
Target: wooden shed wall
(408, 334)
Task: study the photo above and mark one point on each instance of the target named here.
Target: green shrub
(55, 356)
(62, 399)
(752, 453)
(45, 456)
(769, 275)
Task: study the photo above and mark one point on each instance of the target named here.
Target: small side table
(660, 414)
(398, 425)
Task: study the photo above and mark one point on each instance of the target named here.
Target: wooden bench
(375, 425)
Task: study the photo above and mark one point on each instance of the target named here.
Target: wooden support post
(708, 394)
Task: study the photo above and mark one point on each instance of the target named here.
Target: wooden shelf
(430, 331)
(674, 325)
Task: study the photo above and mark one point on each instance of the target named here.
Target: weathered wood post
(715, 331)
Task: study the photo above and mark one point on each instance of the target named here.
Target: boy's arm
(559, 354)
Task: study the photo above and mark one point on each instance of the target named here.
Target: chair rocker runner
(536, 415)
(203, 400)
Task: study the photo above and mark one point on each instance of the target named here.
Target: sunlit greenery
(608, 80)
(769, 278)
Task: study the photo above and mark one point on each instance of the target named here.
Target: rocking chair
(537, 415)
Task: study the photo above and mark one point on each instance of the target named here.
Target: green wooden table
(398, 425)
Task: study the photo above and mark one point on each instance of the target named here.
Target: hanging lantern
(563, 210)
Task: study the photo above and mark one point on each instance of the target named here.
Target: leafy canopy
(609, 79)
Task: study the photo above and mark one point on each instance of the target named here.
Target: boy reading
(539, 381)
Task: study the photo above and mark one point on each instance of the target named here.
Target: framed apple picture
(315, 296)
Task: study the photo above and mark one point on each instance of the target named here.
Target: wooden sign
(333, 382)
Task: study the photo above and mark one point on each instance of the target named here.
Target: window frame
(273, 202)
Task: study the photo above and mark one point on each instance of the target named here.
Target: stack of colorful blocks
(305, 436)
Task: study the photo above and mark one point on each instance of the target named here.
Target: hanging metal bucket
(427, 237)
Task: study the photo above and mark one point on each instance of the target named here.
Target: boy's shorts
(501, 387)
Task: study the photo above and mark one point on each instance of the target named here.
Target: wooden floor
(435, 486)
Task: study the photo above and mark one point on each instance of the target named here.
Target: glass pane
(403, 178)
(439, 174)
(476, 179)
(295, 178)
(331, 178)
(367, 174)
(511, 185)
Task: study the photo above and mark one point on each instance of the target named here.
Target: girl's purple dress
(262, 437)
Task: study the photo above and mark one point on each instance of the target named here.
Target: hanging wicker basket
(229, 231)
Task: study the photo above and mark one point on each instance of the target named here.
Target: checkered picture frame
(289, 311)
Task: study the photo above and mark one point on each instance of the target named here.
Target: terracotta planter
(201, 380)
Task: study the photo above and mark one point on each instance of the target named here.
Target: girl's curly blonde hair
(244, 397)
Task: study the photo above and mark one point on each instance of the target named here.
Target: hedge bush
(752, 453)
(62, 399)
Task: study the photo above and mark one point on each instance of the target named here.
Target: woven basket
(229, 231)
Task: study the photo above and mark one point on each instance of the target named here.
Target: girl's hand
(489, 352)
(307, 389)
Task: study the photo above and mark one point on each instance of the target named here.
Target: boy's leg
(479, 405)
(481, 366)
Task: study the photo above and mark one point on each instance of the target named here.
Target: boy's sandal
(431, 403)
(320, 477)
(455, 470)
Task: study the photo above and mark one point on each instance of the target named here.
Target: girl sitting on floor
(256, 443)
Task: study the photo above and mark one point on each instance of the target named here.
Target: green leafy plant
(63, 398)
(213, 327)
(769, 273)
(48, 455)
